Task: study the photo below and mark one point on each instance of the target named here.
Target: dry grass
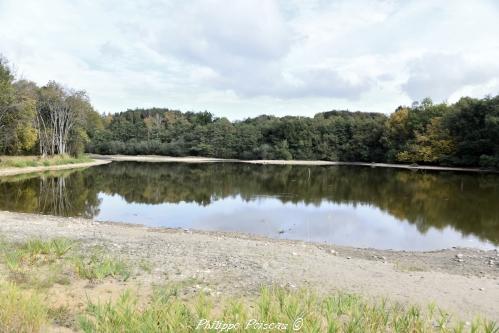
(20, 310)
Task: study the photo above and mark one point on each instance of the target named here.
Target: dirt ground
(462, 281)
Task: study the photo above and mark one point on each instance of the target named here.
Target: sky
(239, 59)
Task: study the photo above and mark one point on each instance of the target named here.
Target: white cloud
(441, 75)
(243, 58)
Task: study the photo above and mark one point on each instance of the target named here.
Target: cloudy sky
(240, 58)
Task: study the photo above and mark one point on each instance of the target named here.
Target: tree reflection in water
(467, 202)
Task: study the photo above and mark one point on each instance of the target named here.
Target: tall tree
(59, 113)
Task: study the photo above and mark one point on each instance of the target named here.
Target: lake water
(355, 206)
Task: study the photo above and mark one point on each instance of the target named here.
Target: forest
(55, 120)
(46, 121)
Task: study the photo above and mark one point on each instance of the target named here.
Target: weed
(61, 316)
(98, 267)
(145, 265)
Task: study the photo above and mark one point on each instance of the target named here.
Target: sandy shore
(463, 281)
(156, 158)
(18, 171)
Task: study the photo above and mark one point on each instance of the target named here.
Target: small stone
(349, 257)
(460, 260)
(481, 289)
(467, 323)
(459, 256)
(295, 254)
(333, 252)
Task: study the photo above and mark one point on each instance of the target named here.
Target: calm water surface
(356, 206)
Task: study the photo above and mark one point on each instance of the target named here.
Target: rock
(459, 256)
(481, 289)
(460, 260)
(295, 254)
(333, 252)
(349, 257)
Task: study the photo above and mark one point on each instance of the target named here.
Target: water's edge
(195, 159)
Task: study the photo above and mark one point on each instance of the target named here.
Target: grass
(35, 161)
(61, 316)
(34, 252)
(20, 310)
(40, 263)
(99, 266)
(34, 266)
(340, 312)
(37, 264)
(145, 265)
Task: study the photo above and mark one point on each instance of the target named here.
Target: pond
(345, 205)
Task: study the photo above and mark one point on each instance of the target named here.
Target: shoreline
(460, 280)
(194, 159)
(18, 171)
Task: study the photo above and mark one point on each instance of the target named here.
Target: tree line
(47, 120)
(462, 134)
(55, 120)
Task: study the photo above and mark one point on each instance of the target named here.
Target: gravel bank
(463, 281)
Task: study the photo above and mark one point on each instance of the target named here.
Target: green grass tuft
(40, 264)
(339, 312)
(99, 266)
